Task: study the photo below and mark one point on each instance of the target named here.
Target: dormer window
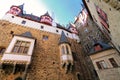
(98, 47)
(21, 47)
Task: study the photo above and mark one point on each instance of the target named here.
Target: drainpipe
(14, 67)
(25, 72)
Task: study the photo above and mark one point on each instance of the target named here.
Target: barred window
(21, 47)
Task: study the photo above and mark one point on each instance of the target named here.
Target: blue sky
(64, 10)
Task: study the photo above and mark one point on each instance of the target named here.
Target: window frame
(21, 47)
(101, 64)
(113, 62)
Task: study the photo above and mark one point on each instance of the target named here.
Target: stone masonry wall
(45, 64)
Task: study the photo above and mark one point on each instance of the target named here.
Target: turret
(46, 19)
(73, 29)
(65, 53)
(16, 10)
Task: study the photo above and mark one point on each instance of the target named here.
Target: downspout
(25, 72)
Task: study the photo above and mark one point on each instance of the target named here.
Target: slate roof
(47, 14)
(63, 38)
(26, 34)
(104, 46)
(21, 6)
(31, 16)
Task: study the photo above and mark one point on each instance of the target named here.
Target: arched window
(63, 50)
(78, 77)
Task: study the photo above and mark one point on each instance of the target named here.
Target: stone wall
(113, 18)
(45, 64)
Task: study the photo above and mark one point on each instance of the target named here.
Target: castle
(31, 48)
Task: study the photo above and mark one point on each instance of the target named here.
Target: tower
(65, 53)
(32, 49)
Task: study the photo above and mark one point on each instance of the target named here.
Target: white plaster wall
(36, 25)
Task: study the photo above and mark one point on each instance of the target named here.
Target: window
(45, 37)
(67, 50)
(2, 50)
(67, 34)
(113, 62)
(79, 76)
(23, 22)
(75, 58)
(98, 47)
(42, 27)
(63, 50)
(57, 31)
(101, 64)
(12, 16)
(21, 47)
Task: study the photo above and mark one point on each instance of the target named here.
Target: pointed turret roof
(47, 14)
(21, 6)
(63, 38)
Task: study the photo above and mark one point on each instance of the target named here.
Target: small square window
(23, 22)
(45, 37)
(42, 27)
(12, 16)
(67, 34)
(57, 31)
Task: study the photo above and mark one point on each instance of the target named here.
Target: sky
(63, 11)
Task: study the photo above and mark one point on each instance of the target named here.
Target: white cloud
(31, 6)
